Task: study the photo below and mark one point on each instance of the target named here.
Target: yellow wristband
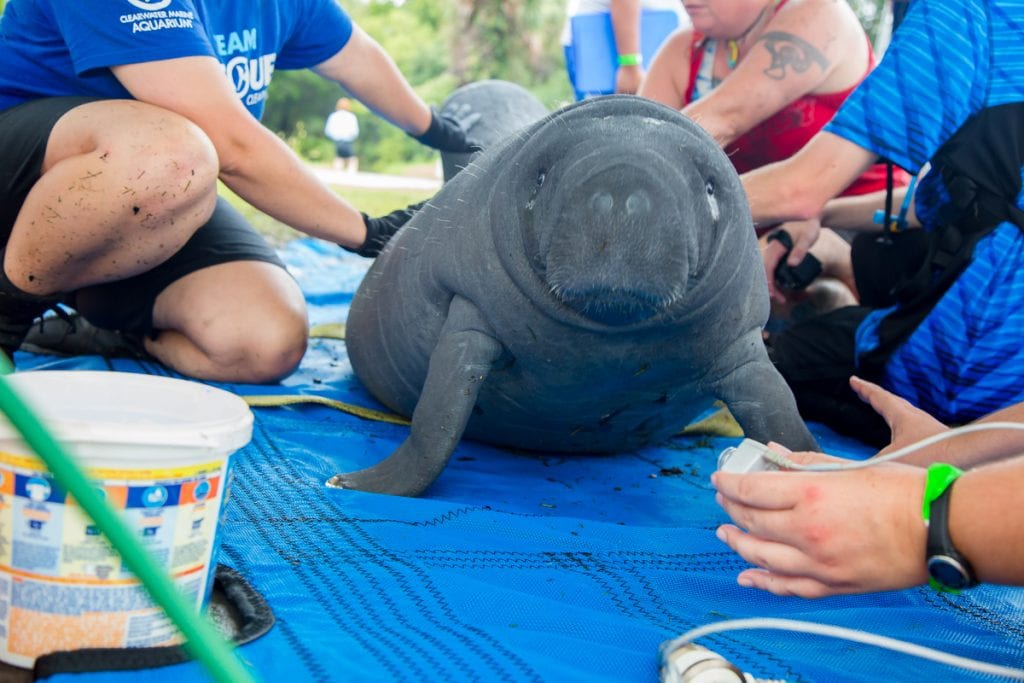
(631, 59)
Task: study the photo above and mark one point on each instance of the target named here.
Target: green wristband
(940, 476)
(631, 59)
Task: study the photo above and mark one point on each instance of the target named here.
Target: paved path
(375, 180)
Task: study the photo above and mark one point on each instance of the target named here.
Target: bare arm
(858, 212)
(626, 27)
(797, 188)
(254, 162)
(983, 524)
(369, 73)
(669, 73)
(807, 47)
(910, 424)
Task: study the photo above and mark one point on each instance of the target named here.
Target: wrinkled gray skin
(590, 285)
(504, 108)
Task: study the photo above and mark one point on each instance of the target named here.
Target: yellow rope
(275, 401)
(328, 331)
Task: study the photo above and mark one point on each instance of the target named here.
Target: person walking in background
(342, 128)
(615, 66)
(116, 122)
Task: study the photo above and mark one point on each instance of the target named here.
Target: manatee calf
(504, 108)
(589, 285)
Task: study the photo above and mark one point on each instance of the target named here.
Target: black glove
(380, 230)
(448, 130)
(798, 276)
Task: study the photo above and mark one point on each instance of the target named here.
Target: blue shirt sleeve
(321, 30)
(104, 33)
(931, 80)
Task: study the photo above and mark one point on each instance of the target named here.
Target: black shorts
(346, 149)
(881, 262)
(128, 304)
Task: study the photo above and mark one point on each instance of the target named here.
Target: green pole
(202, 640)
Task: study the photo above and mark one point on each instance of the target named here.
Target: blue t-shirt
(949, 60)
(65, 47)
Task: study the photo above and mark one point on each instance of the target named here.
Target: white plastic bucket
(159, 449)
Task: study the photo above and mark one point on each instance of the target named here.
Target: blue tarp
(518, 566)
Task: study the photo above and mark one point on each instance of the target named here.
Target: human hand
(380, 230)
(814, 534)
(628, 79)
(908, 423)
(801, 235)
(449, 129)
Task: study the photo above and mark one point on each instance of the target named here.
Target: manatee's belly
(599, 416)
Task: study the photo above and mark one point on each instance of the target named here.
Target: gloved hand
(448, 130)
(380, 230)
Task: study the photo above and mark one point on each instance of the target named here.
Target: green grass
(372, 202)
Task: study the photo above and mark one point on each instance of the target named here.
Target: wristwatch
(949, 571)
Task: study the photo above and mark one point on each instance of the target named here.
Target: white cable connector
(671, 646)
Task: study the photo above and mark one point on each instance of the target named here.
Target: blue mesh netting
(519, 567)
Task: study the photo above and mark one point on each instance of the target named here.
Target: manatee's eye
(541, 176)
(709, 187)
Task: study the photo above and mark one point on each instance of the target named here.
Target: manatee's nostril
(602, 202)
(638, 202)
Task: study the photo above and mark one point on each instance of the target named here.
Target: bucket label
(62, 585)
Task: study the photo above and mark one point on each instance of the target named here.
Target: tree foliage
(438, 46)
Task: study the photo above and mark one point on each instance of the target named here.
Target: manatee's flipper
(458, 366)
(763, 404)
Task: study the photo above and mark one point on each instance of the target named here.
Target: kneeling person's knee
(265, 354)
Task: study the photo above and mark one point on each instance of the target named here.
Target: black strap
(899, 10)
(981, 169)
(251, 611)
(940, 543)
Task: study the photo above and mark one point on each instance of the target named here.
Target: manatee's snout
(617, 252)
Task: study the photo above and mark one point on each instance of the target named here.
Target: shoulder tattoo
(790, 51)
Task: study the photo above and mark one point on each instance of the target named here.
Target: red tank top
(788, 130)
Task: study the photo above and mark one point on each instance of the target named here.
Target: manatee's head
(623, 206)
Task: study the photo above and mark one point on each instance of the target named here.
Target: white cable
(845, 634)
(783, 461)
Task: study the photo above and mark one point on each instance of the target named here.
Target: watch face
(948, 572)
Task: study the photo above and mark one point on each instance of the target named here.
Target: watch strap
(940, 549)
(940, 477)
